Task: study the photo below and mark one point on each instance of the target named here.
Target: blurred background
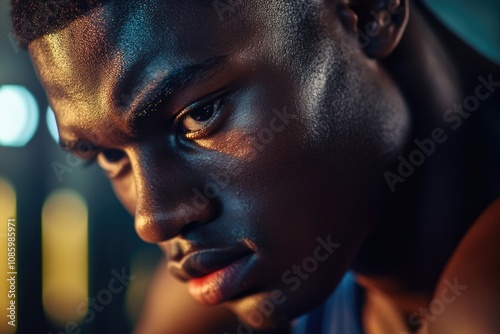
(73, 237)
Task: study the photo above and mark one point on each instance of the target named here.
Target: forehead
(122, 34)
(99, 64)
(120, 48)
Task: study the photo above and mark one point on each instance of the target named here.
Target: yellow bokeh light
(65, 257)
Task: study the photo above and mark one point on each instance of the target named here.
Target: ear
(379, 24)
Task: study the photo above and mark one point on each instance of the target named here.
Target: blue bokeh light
(19, 116)
(52, 125)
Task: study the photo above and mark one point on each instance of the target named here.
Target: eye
(112, 161)
(113, 156)
(197, 121)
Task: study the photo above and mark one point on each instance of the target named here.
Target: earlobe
(381, 24)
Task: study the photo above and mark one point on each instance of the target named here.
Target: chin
(265, 311)
(259, 312)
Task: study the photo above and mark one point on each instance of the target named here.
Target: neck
(435, 206)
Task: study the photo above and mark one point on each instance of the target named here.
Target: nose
(164, 197)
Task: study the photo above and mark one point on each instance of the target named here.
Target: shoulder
(469, 288)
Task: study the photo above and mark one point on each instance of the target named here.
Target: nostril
(159, 227)
(189, 227)
(175, 252)
(156, 223)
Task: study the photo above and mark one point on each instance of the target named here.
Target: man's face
(249, 144)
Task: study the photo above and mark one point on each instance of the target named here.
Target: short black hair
(34, 18)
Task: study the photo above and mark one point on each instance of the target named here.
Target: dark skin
(346, 113)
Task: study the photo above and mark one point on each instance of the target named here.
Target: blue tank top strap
(339, 314)
(314, 323)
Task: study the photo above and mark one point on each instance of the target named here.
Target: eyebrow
(155, 97)
(170, 85)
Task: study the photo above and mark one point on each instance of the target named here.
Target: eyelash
(217, 103)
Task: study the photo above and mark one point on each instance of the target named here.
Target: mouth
(214, 275)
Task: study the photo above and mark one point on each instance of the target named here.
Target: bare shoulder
(470, 283)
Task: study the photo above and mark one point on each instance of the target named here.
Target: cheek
(125, 191)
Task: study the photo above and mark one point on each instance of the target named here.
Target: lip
(213, 275)
(222, 284)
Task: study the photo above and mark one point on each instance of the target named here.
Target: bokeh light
(52, 124)
(65, 257)
(19, 116)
